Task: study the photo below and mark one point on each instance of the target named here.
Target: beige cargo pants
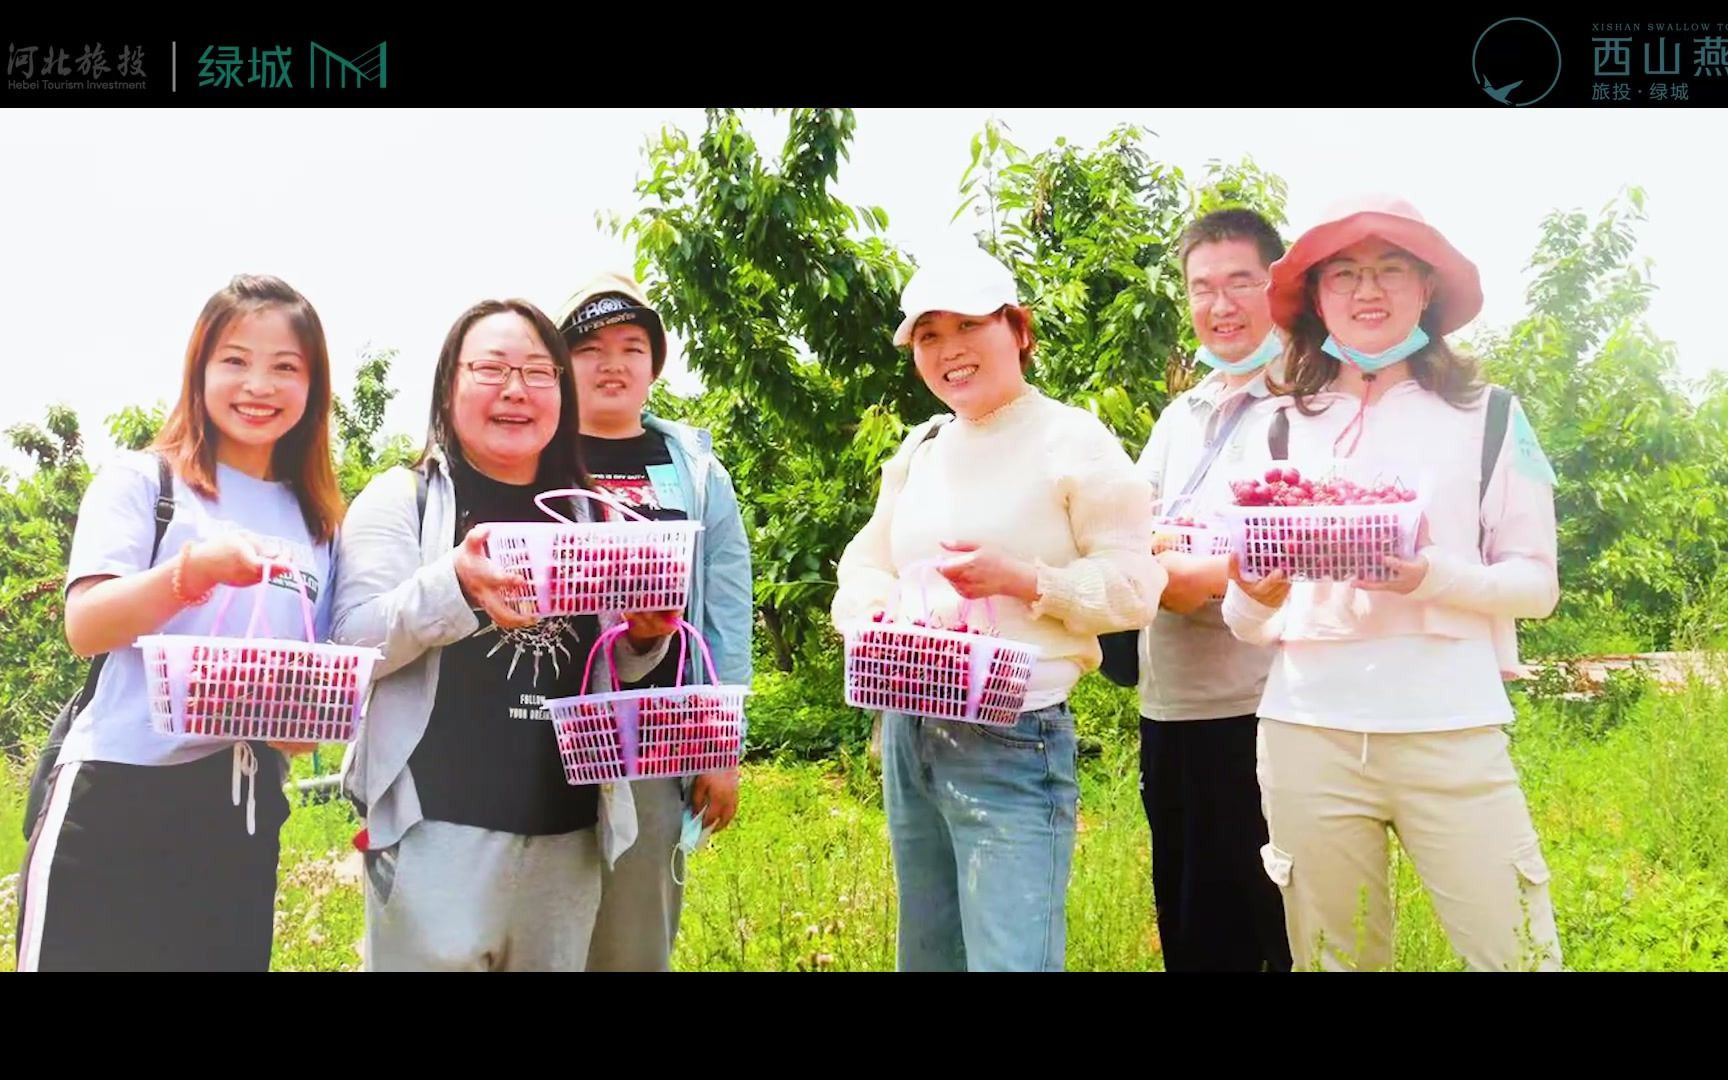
(1454, 801)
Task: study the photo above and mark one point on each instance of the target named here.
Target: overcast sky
(119, 224)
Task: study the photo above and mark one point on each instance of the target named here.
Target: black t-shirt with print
(489, 758)
(638, 472)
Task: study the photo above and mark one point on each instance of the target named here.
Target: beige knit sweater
(1038, 480)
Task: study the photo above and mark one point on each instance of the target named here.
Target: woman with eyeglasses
(1385, 707)
(478, 854)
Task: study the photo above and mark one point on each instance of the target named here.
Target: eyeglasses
(1344, 278)
(497, 373)
(1239, 291)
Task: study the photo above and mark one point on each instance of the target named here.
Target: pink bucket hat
(1458, 291)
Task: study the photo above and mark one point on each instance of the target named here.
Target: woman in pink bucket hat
(1385, 706)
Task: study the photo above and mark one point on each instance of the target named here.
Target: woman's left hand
(977, 573)
(1408, 574)
(715, 796)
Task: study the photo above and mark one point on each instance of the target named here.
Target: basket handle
(989, 611)
(609, 641)
(608, 637)
(270, 565)
(600, 497)
(921, 571)
(702, 643)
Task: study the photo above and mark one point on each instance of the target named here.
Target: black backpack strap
(1494, 432)
(1278, 436)
(931, 432)
(164, 515)
(420, 483)
(36, 798)
(1493, 438)
(164, 503)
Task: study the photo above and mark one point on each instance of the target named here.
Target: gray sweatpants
(639, 901)
(456, 898)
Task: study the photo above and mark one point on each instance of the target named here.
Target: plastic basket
(585, 568)
(256, 689)
(663, 731)
(1188, 534)
(1206, 538)
(1325, 543)
(936, 672)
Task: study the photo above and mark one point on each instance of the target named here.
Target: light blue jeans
(981, 823)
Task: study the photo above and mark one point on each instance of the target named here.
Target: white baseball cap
(964, 280)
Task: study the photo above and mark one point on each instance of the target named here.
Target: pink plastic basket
(585, 568)
(936, 672)
(264, 689)
(1324, 543)
(631, 734)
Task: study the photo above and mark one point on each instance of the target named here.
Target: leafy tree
(785, 296)
(1092, 237)
(1643, 483)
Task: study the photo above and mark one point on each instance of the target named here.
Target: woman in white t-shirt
(1385, 707)
(156, 852)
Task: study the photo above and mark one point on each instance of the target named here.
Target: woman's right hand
(1271, 590)
(484, 584)
(235, 559)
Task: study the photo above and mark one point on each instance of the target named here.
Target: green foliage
(785, 296)
(37, 515)
(1642, 464)
(358, 424)
(804, 715)
(135, 428)
(1093, 237)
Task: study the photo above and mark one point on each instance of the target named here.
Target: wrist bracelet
(179, 584)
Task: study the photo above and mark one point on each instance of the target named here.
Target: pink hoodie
(1467, 593)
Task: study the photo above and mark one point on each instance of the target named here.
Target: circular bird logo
(1516, 61)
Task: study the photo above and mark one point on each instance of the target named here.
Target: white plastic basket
(681, 730)
(585, 568)
(1202, 538)
(256, 689)
(936, 672)
(1326, 543)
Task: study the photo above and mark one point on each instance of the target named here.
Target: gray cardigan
(398, 593)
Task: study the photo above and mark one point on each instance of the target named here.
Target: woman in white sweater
(1035, 505)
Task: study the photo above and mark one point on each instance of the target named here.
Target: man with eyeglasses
(1199, 686)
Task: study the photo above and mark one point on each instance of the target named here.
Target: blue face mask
(1374, 362)
(1265, 354)
(692, 835)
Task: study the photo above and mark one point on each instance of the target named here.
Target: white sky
(116, 225)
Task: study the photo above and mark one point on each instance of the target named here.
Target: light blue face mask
(692, 835)
(1265, 354)
(1371, 362)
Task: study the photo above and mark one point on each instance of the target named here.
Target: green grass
(13, 788)
(13, 783)
(1626, 795)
